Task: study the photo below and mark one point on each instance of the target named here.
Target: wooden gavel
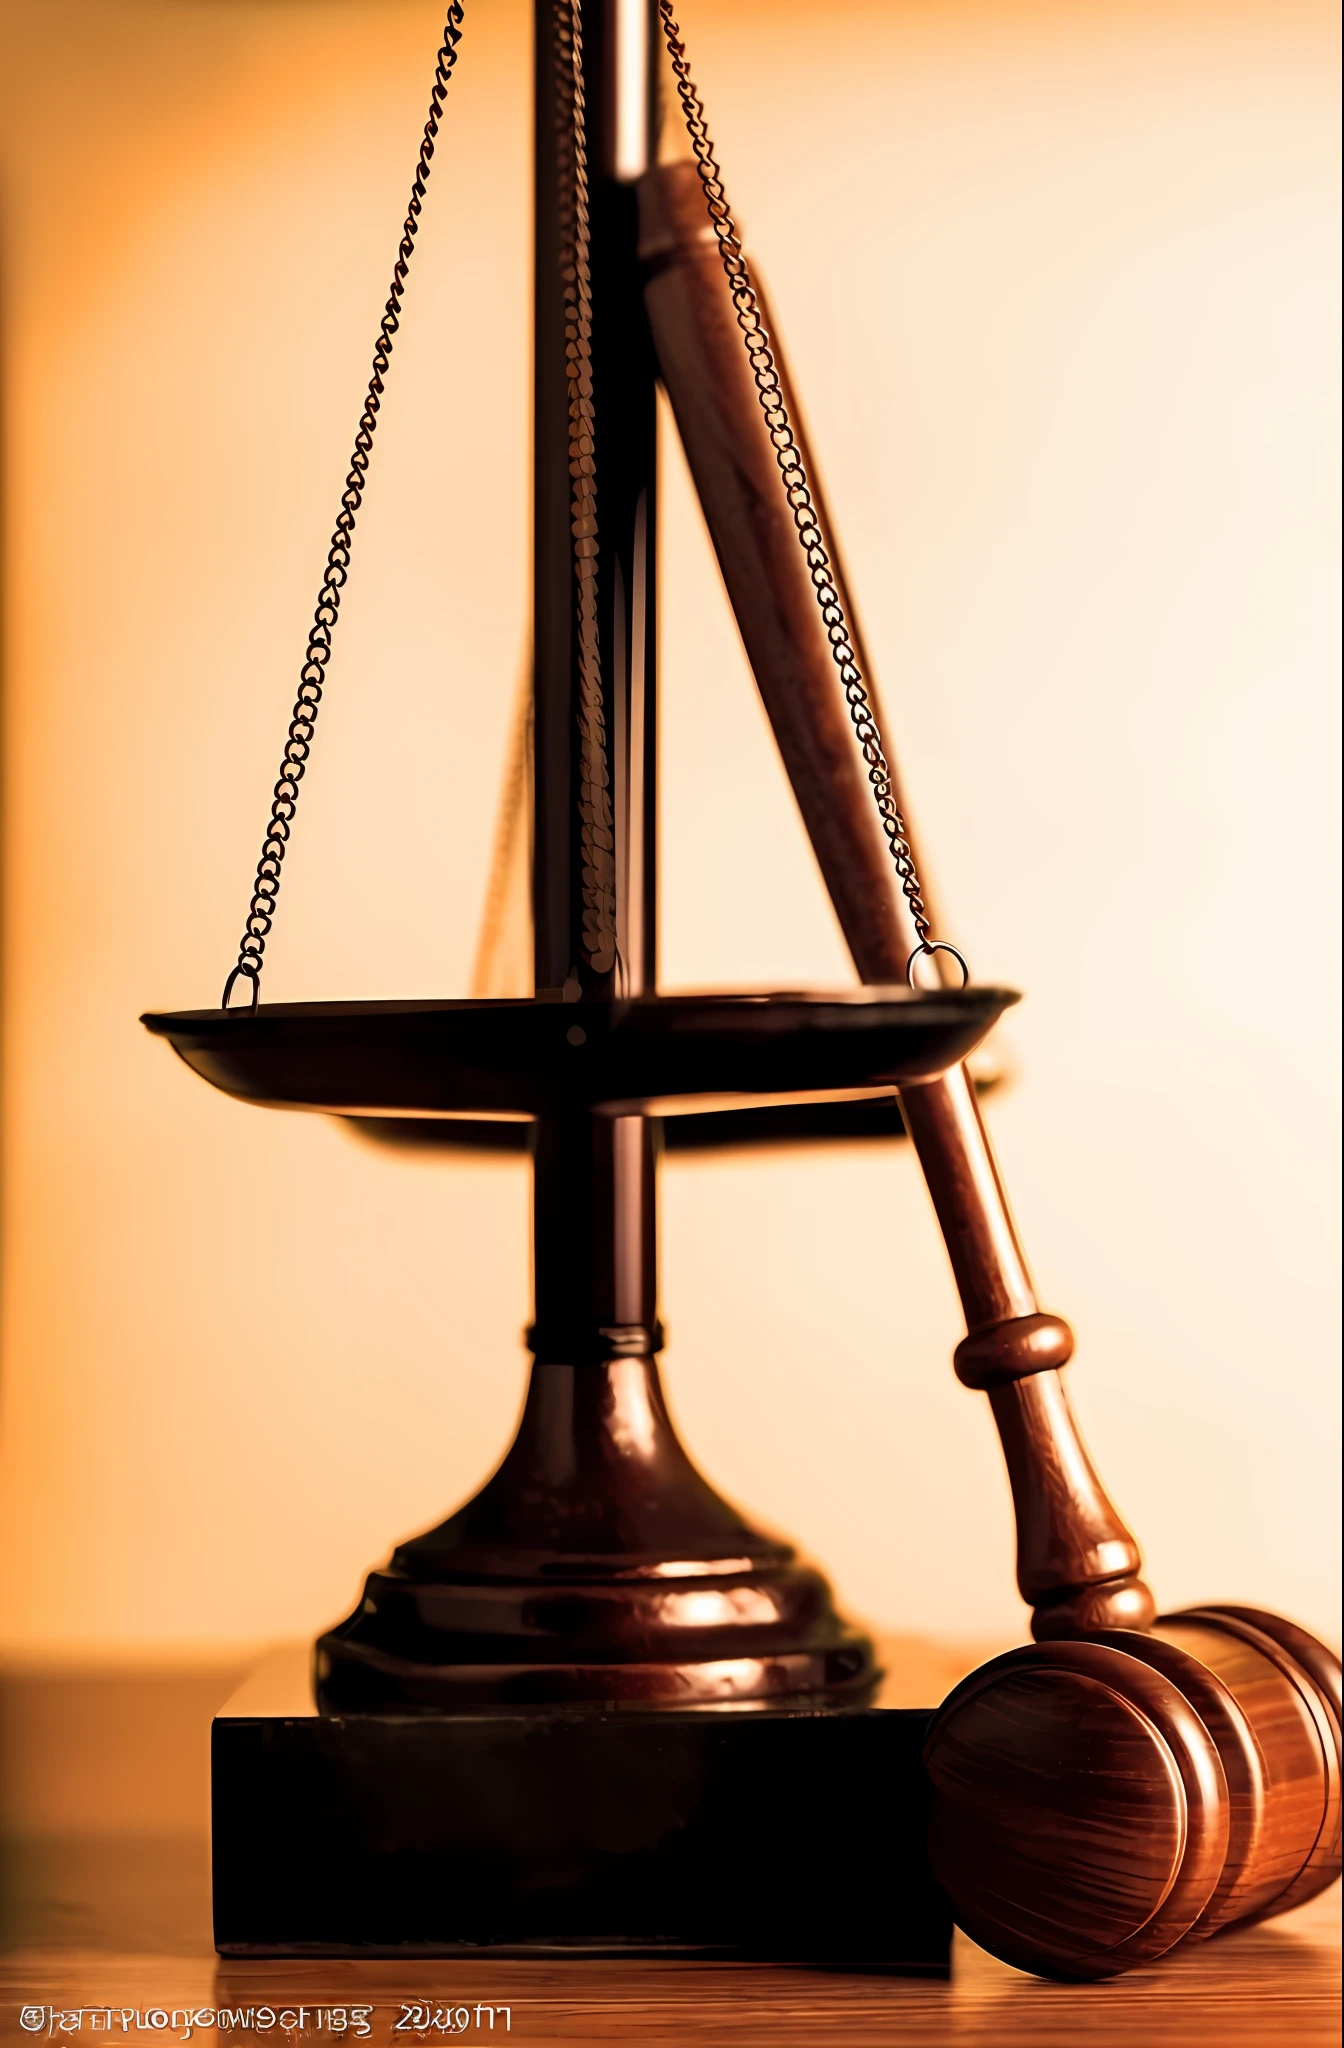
(1125, 1782)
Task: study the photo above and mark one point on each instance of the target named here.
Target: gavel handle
(1077, 1563)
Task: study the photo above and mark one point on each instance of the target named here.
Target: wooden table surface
(106, 1905)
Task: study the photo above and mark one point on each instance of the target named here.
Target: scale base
(781, 1836)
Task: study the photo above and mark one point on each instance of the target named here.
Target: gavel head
(1094, 1802)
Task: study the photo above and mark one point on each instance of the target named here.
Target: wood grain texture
(1273, 1984)
(1080, 1817)
(1077, 1563)
(1316, 1661)
(1306, 1650)
(127, 1920)
(1244, 1768)
(1293, 1725)
(1055, 1818)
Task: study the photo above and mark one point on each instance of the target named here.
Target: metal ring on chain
(253, 979)
(299, 741)
(806, 519)
(930, 947)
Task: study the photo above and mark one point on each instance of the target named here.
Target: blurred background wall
(1059, 283)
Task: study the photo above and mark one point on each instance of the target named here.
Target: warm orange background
(1059, 284)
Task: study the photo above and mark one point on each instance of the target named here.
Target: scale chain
(298, 743)
(769, 391)
(597, 841)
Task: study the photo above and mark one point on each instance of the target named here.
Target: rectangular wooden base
(788, 1836)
